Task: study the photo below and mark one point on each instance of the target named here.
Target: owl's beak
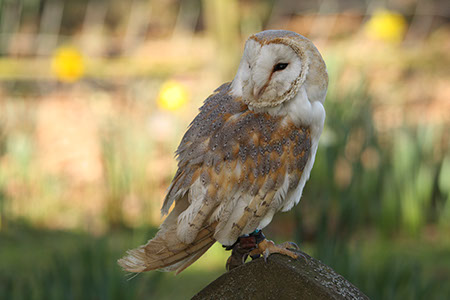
(258, 91)
(255, 92)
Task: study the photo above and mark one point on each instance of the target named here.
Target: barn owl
(246, 156)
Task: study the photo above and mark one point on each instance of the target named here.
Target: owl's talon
(244, 258)
(267, 247)
(290, 245)
(303, 256)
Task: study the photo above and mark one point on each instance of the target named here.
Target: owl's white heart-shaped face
(275, 65)
(268, 72)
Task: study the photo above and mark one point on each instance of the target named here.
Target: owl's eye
(280, 66)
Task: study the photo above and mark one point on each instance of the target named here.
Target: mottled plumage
(246, 155)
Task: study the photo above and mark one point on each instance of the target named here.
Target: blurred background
(95, 96)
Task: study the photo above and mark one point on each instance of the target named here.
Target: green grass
(44, 264)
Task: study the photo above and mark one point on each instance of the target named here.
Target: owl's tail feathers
(166, 252)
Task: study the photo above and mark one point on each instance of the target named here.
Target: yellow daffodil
(172, 95)
(67, 64)
(386, 26)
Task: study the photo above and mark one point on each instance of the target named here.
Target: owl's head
(275, 65)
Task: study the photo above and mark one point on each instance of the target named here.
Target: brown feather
(197, 255)
(164, 251)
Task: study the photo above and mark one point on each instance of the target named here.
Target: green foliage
(444, 185)
(363, 178)
(126, 151)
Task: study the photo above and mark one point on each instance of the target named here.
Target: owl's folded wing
(235, 168)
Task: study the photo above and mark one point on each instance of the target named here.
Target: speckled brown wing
(235, 168)
(241, 165)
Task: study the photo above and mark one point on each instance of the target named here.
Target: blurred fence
(112, 28)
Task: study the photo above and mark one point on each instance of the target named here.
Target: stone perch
(281, 277)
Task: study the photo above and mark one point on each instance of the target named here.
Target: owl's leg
(267, 247)
(242, 249)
